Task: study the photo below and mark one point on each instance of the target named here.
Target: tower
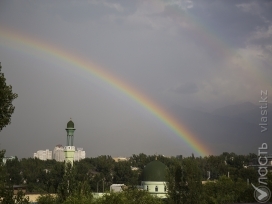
(69, 149)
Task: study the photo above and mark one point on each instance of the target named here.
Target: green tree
(186, 186)
(129, 197)
(269, 182)
(81, 195)
(141, 197)
(6, 110)
(124, 174)
(103, 166)
(193, 178)
(47, 199)
(176, 184)
(13, 171)
(68, 185)
(82, 170)
(2, 176)
(6, 190)
(55, 176)
(6, 98)
(225, 190)
(248, 173)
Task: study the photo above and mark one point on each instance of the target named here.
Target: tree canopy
(228, 180)
(6, 98)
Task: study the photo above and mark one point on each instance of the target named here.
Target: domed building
(154, 179)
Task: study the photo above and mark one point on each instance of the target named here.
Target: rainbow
(13, 38)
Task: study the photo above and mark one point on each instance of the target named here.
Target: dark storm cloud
(230, 20)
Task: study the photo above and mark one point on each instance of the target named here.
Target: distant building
(116, 187)
(43, 154)
(60, 156)
(265, 161)
(118, 159)
(17, 188)
(79, 154)
(5, 159)
(58, 153)
(154, 179)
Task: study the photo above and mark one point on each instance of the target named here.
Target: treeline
(229, 176)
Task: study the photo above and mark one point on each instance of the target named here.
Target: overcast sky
(197, 54)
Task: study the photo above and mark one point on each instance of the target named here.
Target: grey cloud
(227, 20)
(263, 38)
(186, 88)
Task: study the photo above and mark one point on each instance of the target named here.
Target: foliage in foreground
(129, 197)
(6, 191)
(125, 197)
(6, 98)
(227, 191)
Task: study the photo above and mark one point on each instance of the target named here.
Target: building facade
(154, 179)
(118, 159)
(58, 153)
(79, 154)
(5, 159)
(43, 154)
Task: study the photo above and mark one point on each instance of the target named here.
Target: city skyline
(58, 154)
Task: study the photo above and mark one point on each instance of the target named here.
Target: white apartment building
(43, 154)
(58, 153)
(5, 159)
(79, 154)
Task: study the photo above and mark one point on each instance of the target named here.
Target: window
(165, 188)
(156, 188)
(147, 188)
